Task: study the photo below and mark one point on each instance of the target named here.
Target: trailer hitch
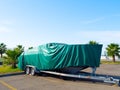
(112, 81)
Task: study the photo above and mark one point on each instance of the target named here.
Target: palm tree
(19, 49)
(113, 50)
(30, 48)
(93, 42)
(13, 54)
(2, 49)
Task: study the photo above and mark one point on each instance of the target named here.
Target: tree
(13, 54)
(30, 48)
(93, 42)
(113, 50)
(2, 49)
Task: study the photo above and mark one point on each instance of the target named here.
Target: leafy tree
(113, 50)
(30, 48)
(2, 49)
(93, 42)
(12, 55)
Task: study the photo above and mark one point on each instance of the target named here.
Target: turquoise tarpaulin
(56, 56)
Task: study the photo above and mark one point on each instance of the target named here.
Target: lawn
(8, 69)
(109, 62)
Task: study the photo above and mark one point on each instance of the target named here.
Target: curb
(11, 74)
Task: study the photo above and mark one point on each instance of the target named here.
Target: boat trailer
(88, 76)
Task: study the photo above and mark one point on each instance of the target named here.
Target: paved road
(23, 82)
(2, 87)
(107, 69)
(26, 82)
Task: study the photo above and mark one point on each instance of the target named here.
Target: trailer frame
(82, 75)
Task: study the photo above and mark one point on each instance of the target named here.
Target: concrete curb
(11, 74)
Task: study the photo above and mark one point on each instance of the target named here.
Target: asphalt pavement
(47, 82)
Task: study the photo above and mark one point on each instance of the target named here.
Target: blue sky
(35, 22)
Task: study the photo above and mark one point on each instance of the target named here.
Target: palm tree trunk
(1, 55)
(13, 65)
(113, 58)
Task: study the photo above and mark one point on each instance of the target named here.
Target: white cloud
(5, 26)
(7, 22)
(91, 21)
(104, 37)
(94, 20)
(4, 30)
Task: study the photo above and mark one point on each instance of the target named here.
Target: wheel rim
(27, 70)
(32, 71)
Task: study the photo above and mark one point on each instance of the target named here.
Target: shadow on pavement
(11, 74)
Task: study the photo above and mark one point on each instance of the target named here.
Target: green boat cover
(57, 56)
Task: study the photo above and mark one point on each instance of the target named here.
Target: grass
(109, 62)
(8, 69)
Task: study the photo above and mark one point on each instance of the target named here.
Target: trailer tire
(32, 71)
(27, 70)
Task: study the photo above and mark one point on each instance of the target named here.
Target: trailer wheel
(32, 71)
(27, 70)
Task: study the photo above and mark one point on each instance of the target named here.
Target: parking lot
(47, 82)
